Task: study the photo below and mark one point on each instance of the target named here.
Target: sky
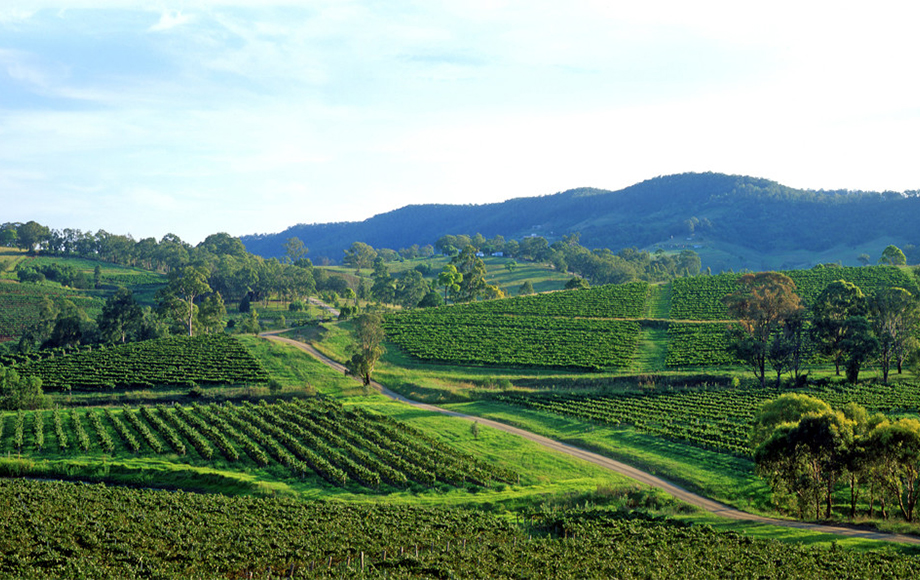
(197, 117)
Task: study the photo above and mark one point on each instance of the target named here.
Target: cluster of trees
(18, 392)
(231, 270)
(64, 325)
(462, 280)
(775, 328)
(600, 266)
(62, 274)
(807, 450)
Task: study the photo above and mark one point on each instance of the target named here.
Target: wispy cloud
(169, 20)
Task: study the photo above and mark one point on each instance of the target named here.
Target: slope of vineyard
(700, 298)
(609, 301)
(719, 419)
(93, 531)
(306, 438)
(479, 338)
(20, 304)
(578, 329)
(177, 360)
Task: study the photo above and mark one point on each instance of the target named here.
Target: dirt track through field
(691, 498)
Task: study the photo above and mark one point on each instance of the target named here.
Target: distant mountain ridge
(732, 221)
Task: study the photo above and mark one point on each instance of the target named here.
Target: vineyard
(700, 298)
(306, 438)
(20, 304)
(577, 329)
(176, 360)
(110, 274)
(484, 339)
(57, 529)
(697, 344)
(718, 419)
(610, 301)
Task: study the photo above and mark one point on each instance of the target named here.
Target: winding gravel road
(615, 466)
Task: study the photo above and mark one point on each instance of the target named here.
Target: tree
(473, 284)
(71, 327)
(863, 259)
(185, 284)
(450, 279)
(807, 458)
(526, 288)
(31, 234)
(576, 283)
(787, 347)
(859, 345)
(893, 256)
(18, 392)
(895, 319)
(294, 250)
(359, 256)
(251, 324)
(834, 306)
(787, 408)
(762, 305)
(897, 447)
(121, 317)
(211, 313)
(367, 348)
(431, 300)
(7, 235)
(410, 289)
(384, 287)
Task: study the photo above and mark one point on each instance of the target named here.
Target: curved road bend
(691, 498)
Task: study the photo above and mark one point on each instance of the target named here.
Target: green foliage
(700, 298)
(716, 418)
(368, 345)
(20, 392)
(313, 437)
(893, 256)
(557, 329)
(334, 540)
(787, 408)
(577, 283)
(21, 305)
(471, 337)
(208, 359)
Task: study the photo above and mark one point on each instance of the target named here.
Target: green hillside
(585, 329)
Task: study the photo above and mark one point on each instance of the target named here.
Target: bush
(18, 392)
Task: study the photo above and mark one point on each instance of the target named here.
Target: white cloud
(169, 20)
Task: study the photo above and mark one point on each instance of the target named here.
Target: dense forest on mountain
(734, 214)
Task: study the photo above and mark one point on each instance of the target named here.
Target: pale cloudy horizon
(208, 116)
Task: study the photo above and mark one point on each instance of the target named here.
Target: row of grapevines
(306, 437)
(62, 530)
(719, 419)
(609, 301)
(178, 360)
(514, 340)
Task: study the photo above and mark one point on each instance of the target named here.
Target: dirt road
(615, 466)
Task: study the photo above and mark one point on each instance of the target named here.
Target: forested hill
(732, 221)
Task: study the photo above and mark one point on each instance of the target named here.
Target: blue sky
(208, 116)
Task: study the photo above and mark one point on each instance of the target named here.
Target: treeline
(200, 280)
(599, 266)
(809, 451)
(778, 331)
